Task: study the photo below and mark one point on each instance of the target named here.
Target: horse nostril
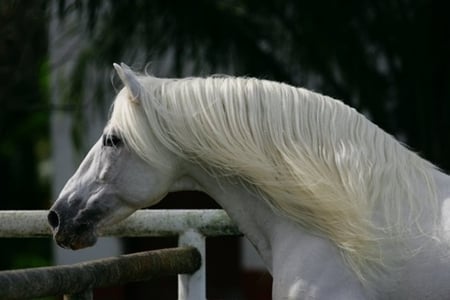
(53, 219)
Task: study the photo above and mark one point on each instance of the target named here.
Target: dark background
(389, 59)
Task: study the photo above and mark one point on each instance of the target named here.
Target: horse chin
(84, 242)
(76, 241)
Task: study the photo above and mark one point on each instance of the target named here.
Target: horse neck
(251, 214)
(275, 237)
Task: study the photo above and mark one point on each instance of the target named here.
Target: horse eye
(111, 140)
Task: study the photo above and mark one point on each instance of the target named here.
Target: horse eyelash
(111, 140)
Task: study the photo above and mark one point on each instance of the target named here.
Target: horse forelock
(316, 160)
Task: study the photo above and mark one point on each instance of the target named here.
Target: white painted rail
(209, 222)
(191, 226)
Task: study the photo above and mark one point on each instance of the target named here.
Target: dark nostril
(53, 219)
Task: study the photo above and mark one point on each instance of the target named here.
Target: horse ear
(130, 80)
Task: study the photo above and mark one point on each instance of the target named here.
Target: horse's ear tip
(117, 67)
(124, 66)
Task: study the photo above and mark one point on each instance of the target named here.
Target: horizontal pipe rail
(212, 222)
(23, 224)
(76, 278)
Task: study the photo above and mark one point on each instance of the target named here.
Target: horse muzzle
(72, 235)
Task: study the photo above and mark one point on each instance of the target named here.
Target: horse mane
(314, 159)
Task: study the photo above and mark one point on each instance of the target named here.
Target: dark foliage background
(24, 119)
(389, 59)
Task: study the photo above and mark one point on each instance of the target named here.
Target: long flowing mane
(314, 159)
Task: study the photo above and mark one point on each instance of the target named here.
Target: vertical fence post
(193, 286)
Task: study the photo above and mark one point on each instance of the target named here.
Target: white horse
(336, 208)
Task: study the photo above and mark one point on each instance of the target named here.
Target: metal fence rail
(192, 227)
(143, 223)
(78, 280)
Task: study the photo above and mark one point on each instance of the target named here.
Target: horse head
(109, 185)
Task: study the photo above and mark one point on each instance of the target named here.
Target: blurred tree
(24, 119)
(387, 58)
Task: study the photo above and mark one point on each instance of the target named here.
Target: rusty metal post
(77, 278)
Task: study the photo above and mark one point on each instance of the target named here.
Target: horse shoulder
(310, 267)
